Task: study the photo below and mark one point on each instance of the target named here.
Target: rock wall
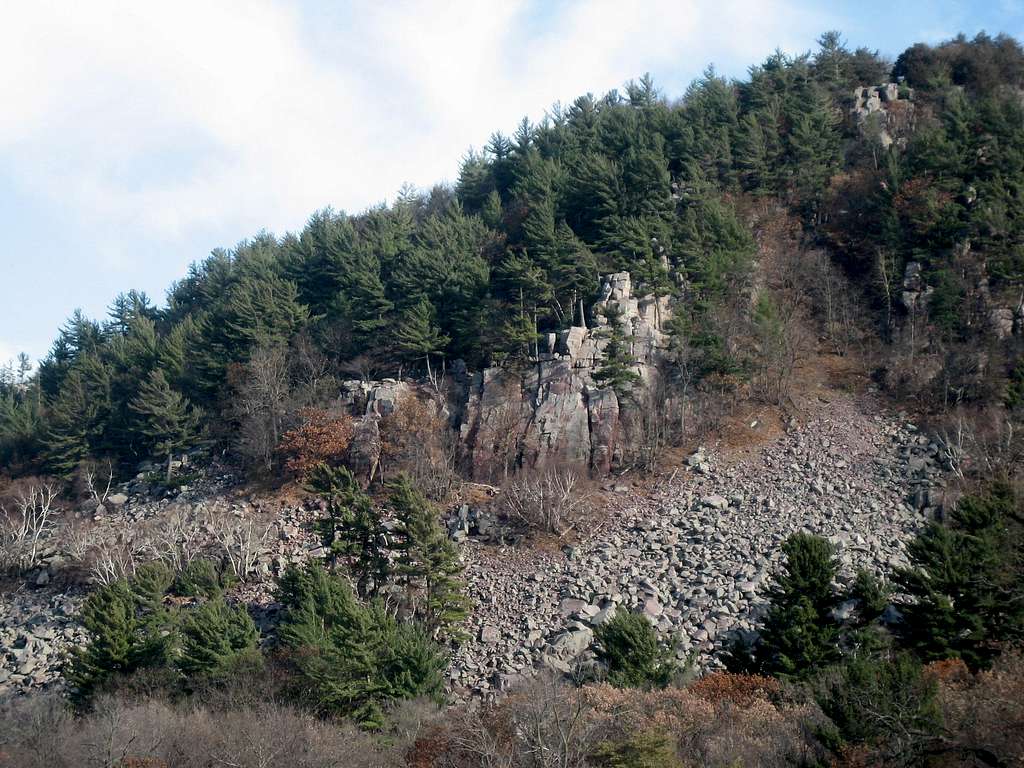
(551, 413)
(881, 108)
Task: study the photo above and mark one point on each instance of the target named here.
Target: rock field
(692, 553)
(695, 554)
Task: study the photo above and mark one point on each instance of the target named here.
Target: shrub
(201, 578)
(215, 640)
(353, 660)
(737, 688)
(547, 501)
(649, 749)
(323, 437)
(889, 704)
(629, 647)
(800, 635)
(150, 583)
(872, 597)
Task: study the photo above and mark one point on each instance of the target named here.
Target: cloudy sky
(137, 136)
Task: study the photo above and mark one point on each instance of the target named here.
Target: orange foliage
(738, 689)
(322, 437)
(951, 672)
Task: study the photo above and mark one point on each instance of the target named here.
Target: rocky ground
(691, 550)
(694, 553)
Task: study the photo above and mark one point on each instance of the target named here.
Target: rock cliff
(547, 414)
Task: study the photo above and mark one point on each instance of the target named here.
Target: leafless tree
(551, 724)
(23, 531)
(98, 482)
(175, 538)
(547, 501)
(264, 391)
(240, 539)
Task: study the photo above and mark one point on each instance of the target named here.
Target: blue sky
(136, 137)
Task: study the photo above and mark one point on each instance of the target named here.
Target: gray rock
(489, 634)
(715, 501)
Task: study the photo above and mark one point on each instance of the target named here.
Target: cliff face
(549, 414)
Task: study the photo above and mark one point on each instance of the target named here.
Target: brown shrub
(736, 688)
(322, 437)
(984, 715)
(710, 733)
(417, 440)
(151, 733)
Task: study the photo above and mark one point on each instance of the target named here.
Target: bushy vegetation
(353, 659)
(634, 656)
(627, 181)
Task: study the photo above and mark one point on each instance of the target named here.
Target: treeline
(628, 181)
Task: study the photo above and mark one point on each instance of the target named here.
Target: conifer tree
(617, 368)
(167, 418)
(121, 640)
(428, 562)
(964, 583)
(215, 640)
(353, 528)
(417, 336)
(356, 660)
(752, 156)
(800, 634)
(635, 658)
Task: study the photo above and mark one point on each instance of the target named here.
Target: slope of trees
(626, 181)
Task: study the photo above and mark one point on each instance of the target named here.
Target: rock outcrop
(551, 413)
(886, 110)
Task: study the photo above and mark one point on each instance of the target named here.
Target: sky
(136, 137)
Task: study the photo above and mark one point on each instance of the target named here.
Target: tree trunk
(170, 458)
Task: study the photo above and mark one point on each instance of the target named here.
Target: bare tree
(547, 501)
(264, 391)
(98, 482)
(175, 538)
(240, 539)
(23, 531)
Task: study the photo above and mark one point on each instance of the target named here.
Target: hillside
(677, 431)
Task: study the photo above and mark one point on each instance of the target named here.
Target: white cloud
(154, 121)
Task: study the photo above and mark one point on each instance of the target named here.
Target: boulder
(117, 500)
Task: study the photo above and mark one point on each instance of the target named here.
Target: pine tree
(428, 562)
(353, 528)
(964, 583)
(167, 418)
(121, 640)
(752, 156)
(355, 660)
(215, 640)
(617, 369)
(800, 635)
(417, 337)
(635, 658)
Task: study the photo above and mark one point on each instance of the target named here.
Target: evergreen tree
(215, 640)
(428, 562)
(417, 337)
(752, 156)
(353, 528)
(616, 370)
(635, 658)
(353, 660)
(166, 417)
(800, 635)
(964, 583)
(121, 639)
